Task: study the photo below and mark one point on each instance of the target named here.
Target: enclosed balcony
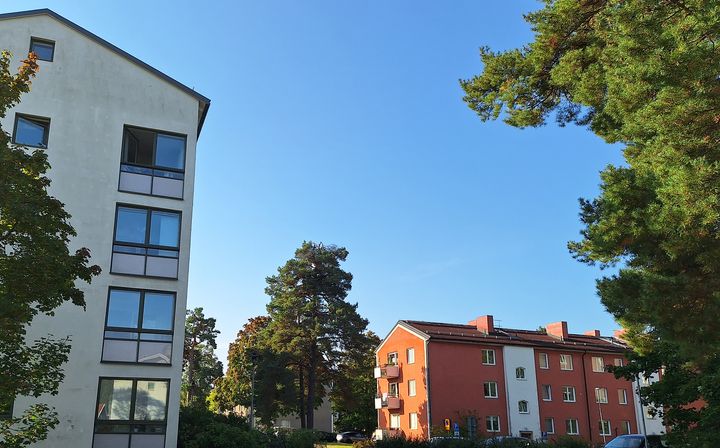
(387, 371)
(387, 402)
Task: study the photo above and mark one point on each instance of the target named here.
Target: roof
(203, 100)
(444, 332)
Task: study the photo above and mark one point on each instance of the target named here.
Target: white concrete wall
(652, 425)
(89, 93)
(517, 390)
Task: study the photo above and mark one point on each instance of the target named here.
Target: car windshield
(626, 442)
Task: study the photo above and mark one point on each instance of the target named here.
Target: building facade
(481, 380)
(120, 138)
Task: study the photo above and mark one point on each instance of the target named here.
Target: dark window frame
(146, 247)
(42, 41)
(36, 119)
(133, 401)
(139, 330)
(157, 132)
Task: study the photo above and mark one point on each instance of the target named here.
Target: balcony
(387, 371)
(151, 181)
(387, 402)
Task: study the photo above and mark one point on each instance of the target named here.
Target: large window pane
(170, 151)
(155, 352)
(123, 308)
(114, 399)
(44, 50)
(138, 147)
(122, 351)
(165, 229)
(151, 400)
(31, 132)
(158, 312)
(131, 223)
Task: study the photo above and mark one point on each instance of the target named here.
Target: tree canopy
(38, 272)
(643, 74)
(201, 367)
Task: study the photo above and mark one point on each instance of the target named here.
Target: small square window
(566, 362)
(31, 131)
(491, 390)
(488, 357)
(43, 49)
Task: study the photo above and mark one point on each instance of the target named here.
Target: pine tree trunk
(301, 397)
(312, 373)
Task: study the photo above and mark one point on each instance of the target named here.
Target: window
(412, 391)
(650, 412)
(619, 362)
(490, 389)
(622, 396)
(393, 389)
(413, 420)
(626, 428)
(566, 362)
(601, 395)
(411, 356)
(549, 425)
(392, 359)
(139, 326)
(131, 412)
(523, 407)
(569, 394)
(598, 365)
(6, 408)
(152, 162)
(146, 242)
(520, 373)
(543, 361)
(488, 357)
(31, 131)
(43, 49)
(394, 421)
(605, 428)
(571, 427)
(546, 392)
(492, 423)
(645, 380)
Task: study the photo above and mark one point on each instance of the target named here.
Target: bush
(298, 438)
(201, 428)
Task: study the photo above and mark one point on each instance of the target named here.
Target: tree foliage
(643, 74)
(201, 367)
(38, 272)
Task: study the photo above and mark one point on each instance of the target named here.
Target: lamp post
(602, 422)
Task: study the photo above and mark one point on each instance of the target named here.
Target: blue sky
(342, 122)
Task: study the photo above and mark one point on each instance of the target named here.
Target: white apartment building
(120, 137)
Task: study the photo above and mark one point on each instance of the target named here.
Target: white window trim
(595, 367)
(547, 361)
(570, 362)
(622, 401)
(552, 423)
(549, 392)
(577, 427)
(413, 423)
(496, 389)
(488, 350)
(495, 418)
(602, 428)
(407, 354)
(397, 358)
(574, 396)
(598, 395)
(527, 407)
(412, 391)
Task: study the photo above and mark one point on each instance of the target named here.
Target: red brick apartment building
(500, 381)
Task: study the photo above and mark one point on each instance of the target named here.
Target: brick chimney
(619, 334)
(558, 329)
(595, 333)
(484, 324)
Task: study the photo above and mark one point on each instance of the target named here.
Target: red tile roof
(509, 336)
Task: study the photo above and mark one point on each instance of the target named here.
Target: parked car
(351, 436)
(507, 441)
(636, 441)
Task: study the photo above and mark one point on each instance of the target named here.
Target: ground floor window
(131, 413)
(492, 423)
(626, 429)
(413, 420)
(605, 428)
(571, 427)
(549, 425)
(394, 421)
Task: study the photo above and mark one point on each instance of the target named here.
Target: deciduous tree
(38, 272)
(643, 74)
